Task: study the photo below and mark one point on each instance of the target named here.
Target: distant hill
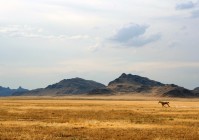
(134, 79)
(196, 91)
(101, 91)
(72, 86)
(8, 92)
(171, 90)
(124, 84)
(130, 84)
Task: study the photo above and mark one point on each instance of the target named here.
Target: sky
(45, 41)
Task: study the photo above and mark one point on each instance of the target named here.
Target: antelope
(164, 103)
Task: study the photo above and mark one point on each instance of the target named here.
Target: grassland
(98, 118)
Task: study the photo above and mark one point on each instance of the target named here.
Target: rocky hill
(131, 84)
(124, 84)
(8, 92)
(171, 90)
(196, 91)
(72, 86)
(135, 80)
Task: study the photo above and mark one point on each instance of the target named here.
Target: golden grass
(82, 118)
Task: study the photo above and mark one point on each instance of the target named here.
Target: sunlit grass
(97, 119)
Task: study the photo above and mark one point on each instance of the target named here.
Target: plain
(79, 118)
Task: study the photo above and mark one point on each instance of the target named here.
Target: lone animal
(164, 103)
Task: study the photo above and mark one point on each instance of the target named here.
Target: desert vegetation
(97, 118)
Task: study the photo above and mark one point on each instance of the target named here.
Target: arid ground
(98, 118)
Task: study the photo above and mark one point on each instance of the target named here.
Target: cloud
(32, 32)
(133, 36)
(195, 14)
(129, 32)
(141, 41)
(186, 5)
(173, 44)
(20, 31)
(95, 47)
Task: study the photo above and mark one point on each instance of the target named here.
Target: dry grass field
(98, 118)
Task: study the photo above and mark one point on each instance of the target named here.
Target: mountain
(130, 84)
(101, 91)
(5, 91)
(124, 84)
(72, 86)
(196, 91)
(178, 92)
(171, 90)
(135, 80)
(8, 92)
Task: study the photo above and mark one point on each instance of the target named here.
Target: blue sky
(45, 41)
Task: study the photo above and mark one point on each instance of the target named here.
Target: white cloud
(141, 41)
(128, 32)
(133, 36)
(195, 14)
(186, 5)
(32, 32)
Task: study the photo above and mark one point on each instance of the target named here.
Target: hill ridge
(124, 84)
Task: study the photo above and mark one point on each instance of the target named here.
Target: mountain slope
(5, 91)
(67, 86)
(8, 92)
(135, 80)
(124, 84)
(128, 83)
(196, 91)
(171, 90)
(132, 83)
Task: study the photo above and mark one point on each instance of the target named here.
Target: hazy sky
(45, 41)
